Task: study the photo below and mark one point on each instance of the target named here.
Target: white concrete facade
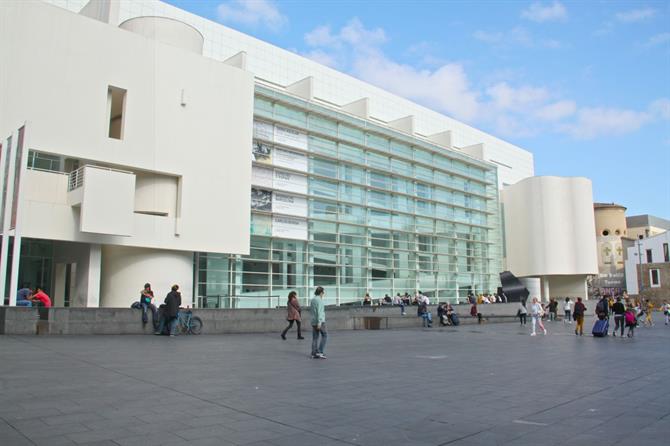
(154, 138)
(549, 233)
(170, 183)
(655, 247)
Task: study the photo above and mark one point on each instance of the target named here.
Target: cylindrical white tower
(166, 30)
(125, 270)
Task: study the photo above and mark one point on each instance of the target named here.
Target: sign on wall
(289, 204)
(263, 130)
(290, 137)
(261, 152)
(290, 160)
(261, 176)
(289, 227)
(290, 182)
(261, 200)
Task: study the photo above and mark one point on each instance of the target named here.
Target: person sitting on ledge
(40, 298)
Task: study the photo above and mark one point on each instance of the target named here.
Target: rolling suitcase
(600, 328)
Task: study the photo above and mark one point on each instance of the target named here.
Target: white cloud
(635, 15)
(593, 122)
(658, 39)
(512, 109)
(556, 111)
(520, 99)
(539, 12)
(517, 36)
(251, 13)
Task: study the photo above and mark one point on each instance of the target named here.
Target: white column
(545, 289)
(93, 285)
(14, 278)
(5, 157)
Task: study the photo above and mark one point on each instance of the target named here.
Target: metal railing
(77, 176)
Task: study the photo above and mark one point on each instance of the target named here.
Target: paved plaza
(471, 385)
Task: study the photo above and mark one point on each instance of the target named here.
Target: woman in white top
(536, 312)
(567, 307)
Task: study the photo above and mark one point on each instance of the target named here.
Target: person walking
(553, 309)
(318, 324)
(567, 308)
(293, 313)
(649, 312)
(537, 312)
(619, 314)
(666, 311)
(631, 321)
(578, 316)
(522, 312)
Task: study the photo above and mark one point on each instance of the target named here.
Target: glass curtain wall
(357, 208)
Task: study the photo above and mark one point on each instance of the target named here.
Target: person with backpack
(578, 316)
(619, 315)
(170, 312)
(293, 314)
(537, 312)
(631, 321)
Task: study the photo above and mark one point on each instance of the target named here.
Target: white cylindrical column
(125, 270)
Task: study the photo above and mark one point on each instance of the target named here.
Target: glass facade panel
(400, 216)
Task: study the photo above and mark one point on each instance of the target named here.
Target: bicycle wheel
(196, 325)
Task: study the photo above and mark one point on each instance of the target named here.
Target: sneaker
(283, 337)
(545, 332)
(532, 334)
(300, 337)
(321, 356)
(315, 356)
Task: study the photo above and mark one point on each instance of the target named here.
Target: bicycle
(187, 323)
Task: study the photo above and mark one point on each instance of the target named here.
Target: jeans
(553, 316)
(24, 303)
(402, 308)
(290, 324)
(522, 318)
(315, 339)
(171, 323)
(154, 315)
(618, 322)
(567, 318)
(427, 319)
(537, 320)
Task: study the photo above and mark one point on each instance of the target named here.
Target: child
(631, 321)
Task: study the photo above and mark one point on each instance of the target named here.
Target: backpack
(630, 318)
(136, 306)
(600, 308)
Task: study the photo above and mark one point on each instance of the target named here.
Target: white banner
(289, 227)
(290, 137)
(261, 176)
(263, 130)
(289, 204)
(290, 182)
(291, 160)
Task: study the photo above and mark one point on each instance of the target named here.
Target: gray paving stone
(492, 384)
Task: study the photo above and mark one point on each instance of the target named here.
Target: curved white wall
(550, 227)
(166, 30)
(125, 270)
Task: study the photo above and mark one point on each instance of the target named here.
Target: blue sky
(583, 85)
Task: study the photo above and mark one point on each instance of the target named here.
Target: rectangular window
(666, 253)
(654, 278)
(649, 256)
(116, 109)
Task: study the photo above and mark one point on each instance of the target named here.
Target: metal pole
(639, 263)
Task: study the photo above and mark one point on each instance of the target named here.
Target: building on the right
(549, 238)
(645, 226)
(648, 267)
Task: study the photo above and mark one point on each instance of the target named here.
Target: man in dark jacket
(619, 311)
(170, 311)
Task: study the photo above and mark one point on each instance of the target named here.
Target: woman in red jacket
(293, 314)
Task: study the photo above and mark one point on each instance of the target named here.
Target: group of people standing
(317, 321)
